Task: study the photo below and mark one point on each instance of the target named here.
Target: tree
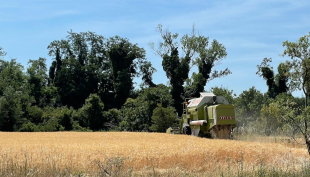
(298, 118)
(10, 109)
(11, 74)
(276, 84)
(299, 52)
(91, 114)
(162, 118)
(14, 92)
(209, 57)
(76, 71)
(2, 53)
(125, 59)
(194, 85)
(177, 68)
(86, 63)
(37, 78)
(225, 92)
(112, 116)
(270, 118)
(137, 113)
(248, 106)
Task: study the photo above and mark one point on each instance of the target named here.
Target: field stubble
(142, 154)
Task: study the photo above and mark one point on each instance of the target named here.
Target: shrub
(29, 127)
(35, 114)
(162, 118)
(91, 114)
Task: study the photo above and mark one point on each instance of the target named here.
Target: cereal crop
(74, 153)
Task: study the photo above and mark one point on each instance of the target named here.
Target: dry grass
(34, 154)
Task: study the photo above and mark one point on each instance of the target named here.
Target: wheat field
(139, 154)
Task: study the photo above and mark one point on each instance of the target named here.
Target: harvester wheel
(187, 130)
(231, 136)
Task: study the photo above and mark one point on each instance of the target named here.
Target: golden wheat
(84, 151)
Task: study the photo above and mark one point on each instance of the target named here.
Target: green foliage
(162, 118)
(228, 94)
(91, 114)
(209, 57)
(50, 125)
(112, 116)
(35, 114)
(125, 59)
(2, 53)
(37, 78)
(134, 116)
(29, 127)
(194, 86)
(50, 97)
(11, 75)
(295, 117)
(270, 118)
(177, 68)
(276, 84)
(77, 127)
(137, 113)
(86, 63)
(300, 65)
(248, 106)
(10, 109)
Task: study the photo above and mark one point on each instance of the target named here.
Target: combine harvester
(208, 116)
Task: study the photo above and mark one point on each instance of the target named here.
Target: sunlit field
(146, 154)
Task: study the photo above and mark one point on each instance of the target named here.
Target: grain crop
(140, 152)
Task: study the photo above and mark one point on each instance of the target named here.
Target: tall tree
(77, 68)
(10, 109)
(299, 52)
(209, 57)
(11, 74)
(14, 95)
(87, 63)
(126, 59)
(37, 78)
(177, 68)
(194, 85)
(276, 84)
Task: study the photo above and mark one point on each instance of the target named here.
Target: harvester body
(208, 116)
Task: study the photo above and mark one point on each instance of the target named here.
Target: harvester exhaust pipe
(214, 100)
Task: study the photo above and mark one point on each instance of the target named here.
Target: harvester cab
(208, 116)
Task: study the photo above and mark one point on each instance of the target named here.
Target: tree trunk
(306, 100)
(308, 143)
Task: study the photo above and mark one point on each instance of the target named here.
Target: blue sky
(249, 29)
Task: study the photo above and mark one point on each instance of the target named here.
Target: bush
(162, 118)
(51, 125)
(35, 114)
(29, 127)
(91, 114)
(77, 127)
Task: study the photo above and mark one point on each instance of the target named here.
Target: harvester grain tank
(208, 116)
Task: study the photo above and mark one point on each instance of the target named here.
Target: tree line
(89, 85)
